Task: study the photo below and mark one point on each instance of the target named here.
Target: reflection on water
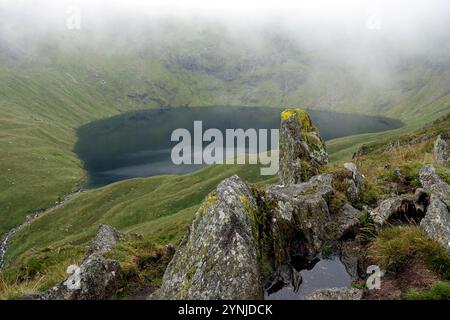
(137, 144)
(321, 274)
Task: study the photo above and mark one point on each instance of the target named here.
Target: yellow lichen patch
(301, 116)
(286, 114)
(209, 201)
(246, 202)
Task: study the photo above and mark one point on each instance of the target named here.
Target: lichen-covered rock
(300, 217)
(105, 240)
(302, 150)
(356, 184)
(433, 183)
(346, 222)
(94, 278)
(336, 294)
(217, 258)
(441, 150)
(436, 224)
(406, 208)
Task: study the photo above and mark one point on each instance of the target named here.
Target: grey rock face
(346, 222)
(436, 224)
(441, 150)
(300, 217)
(302, 151)
(105, 240)
(94, 278)
(350, 257)
(385, 210)
(356, 184)
(433, 183)
(336, 294)
(407, 208)
(217, 257)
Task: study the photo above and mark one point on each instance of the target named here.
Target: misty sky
(394, 26)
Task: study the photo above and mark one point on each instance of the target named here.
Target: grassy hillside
(161, 208)
(50, 88)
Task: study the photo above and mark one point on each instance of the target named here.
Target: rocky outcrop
(302, 151)
(106, 239)
(345, 222)
(356, 184)
(436, 224)
(441, 150)
(217, 258)
(96, 275)
(336, 294)
(433, 183)
(300, 217)
(405, 208)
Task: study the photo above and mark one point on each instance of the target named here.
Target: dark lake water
(138, 144)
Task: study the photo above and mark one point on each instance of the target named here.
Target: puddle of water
(326, 273)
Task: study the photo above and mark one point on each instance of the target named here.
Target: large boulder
(217, 259)
(302, 150)
(436, 224)
(433, 183)
(300, 217)
(94, 278)
(441, 150)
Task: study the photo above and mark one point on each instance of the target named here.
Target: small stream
(4, 245)
(296, 281)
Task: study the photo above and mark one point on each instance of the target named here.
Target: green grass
(160, 208)
(395, 246)
(439, 291)
(43, 101)
(46, 95)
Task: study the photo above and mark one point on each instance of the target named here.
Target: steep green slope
(158, 207)
(46, 92)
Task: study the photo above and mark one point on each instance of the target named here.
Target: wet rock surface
(217, 258)
(302, 150)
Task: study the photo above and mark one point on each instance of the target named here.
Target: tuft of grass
(143, 264)
(395, 246)
(337, 201)
(439, 291)
(38, 271)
